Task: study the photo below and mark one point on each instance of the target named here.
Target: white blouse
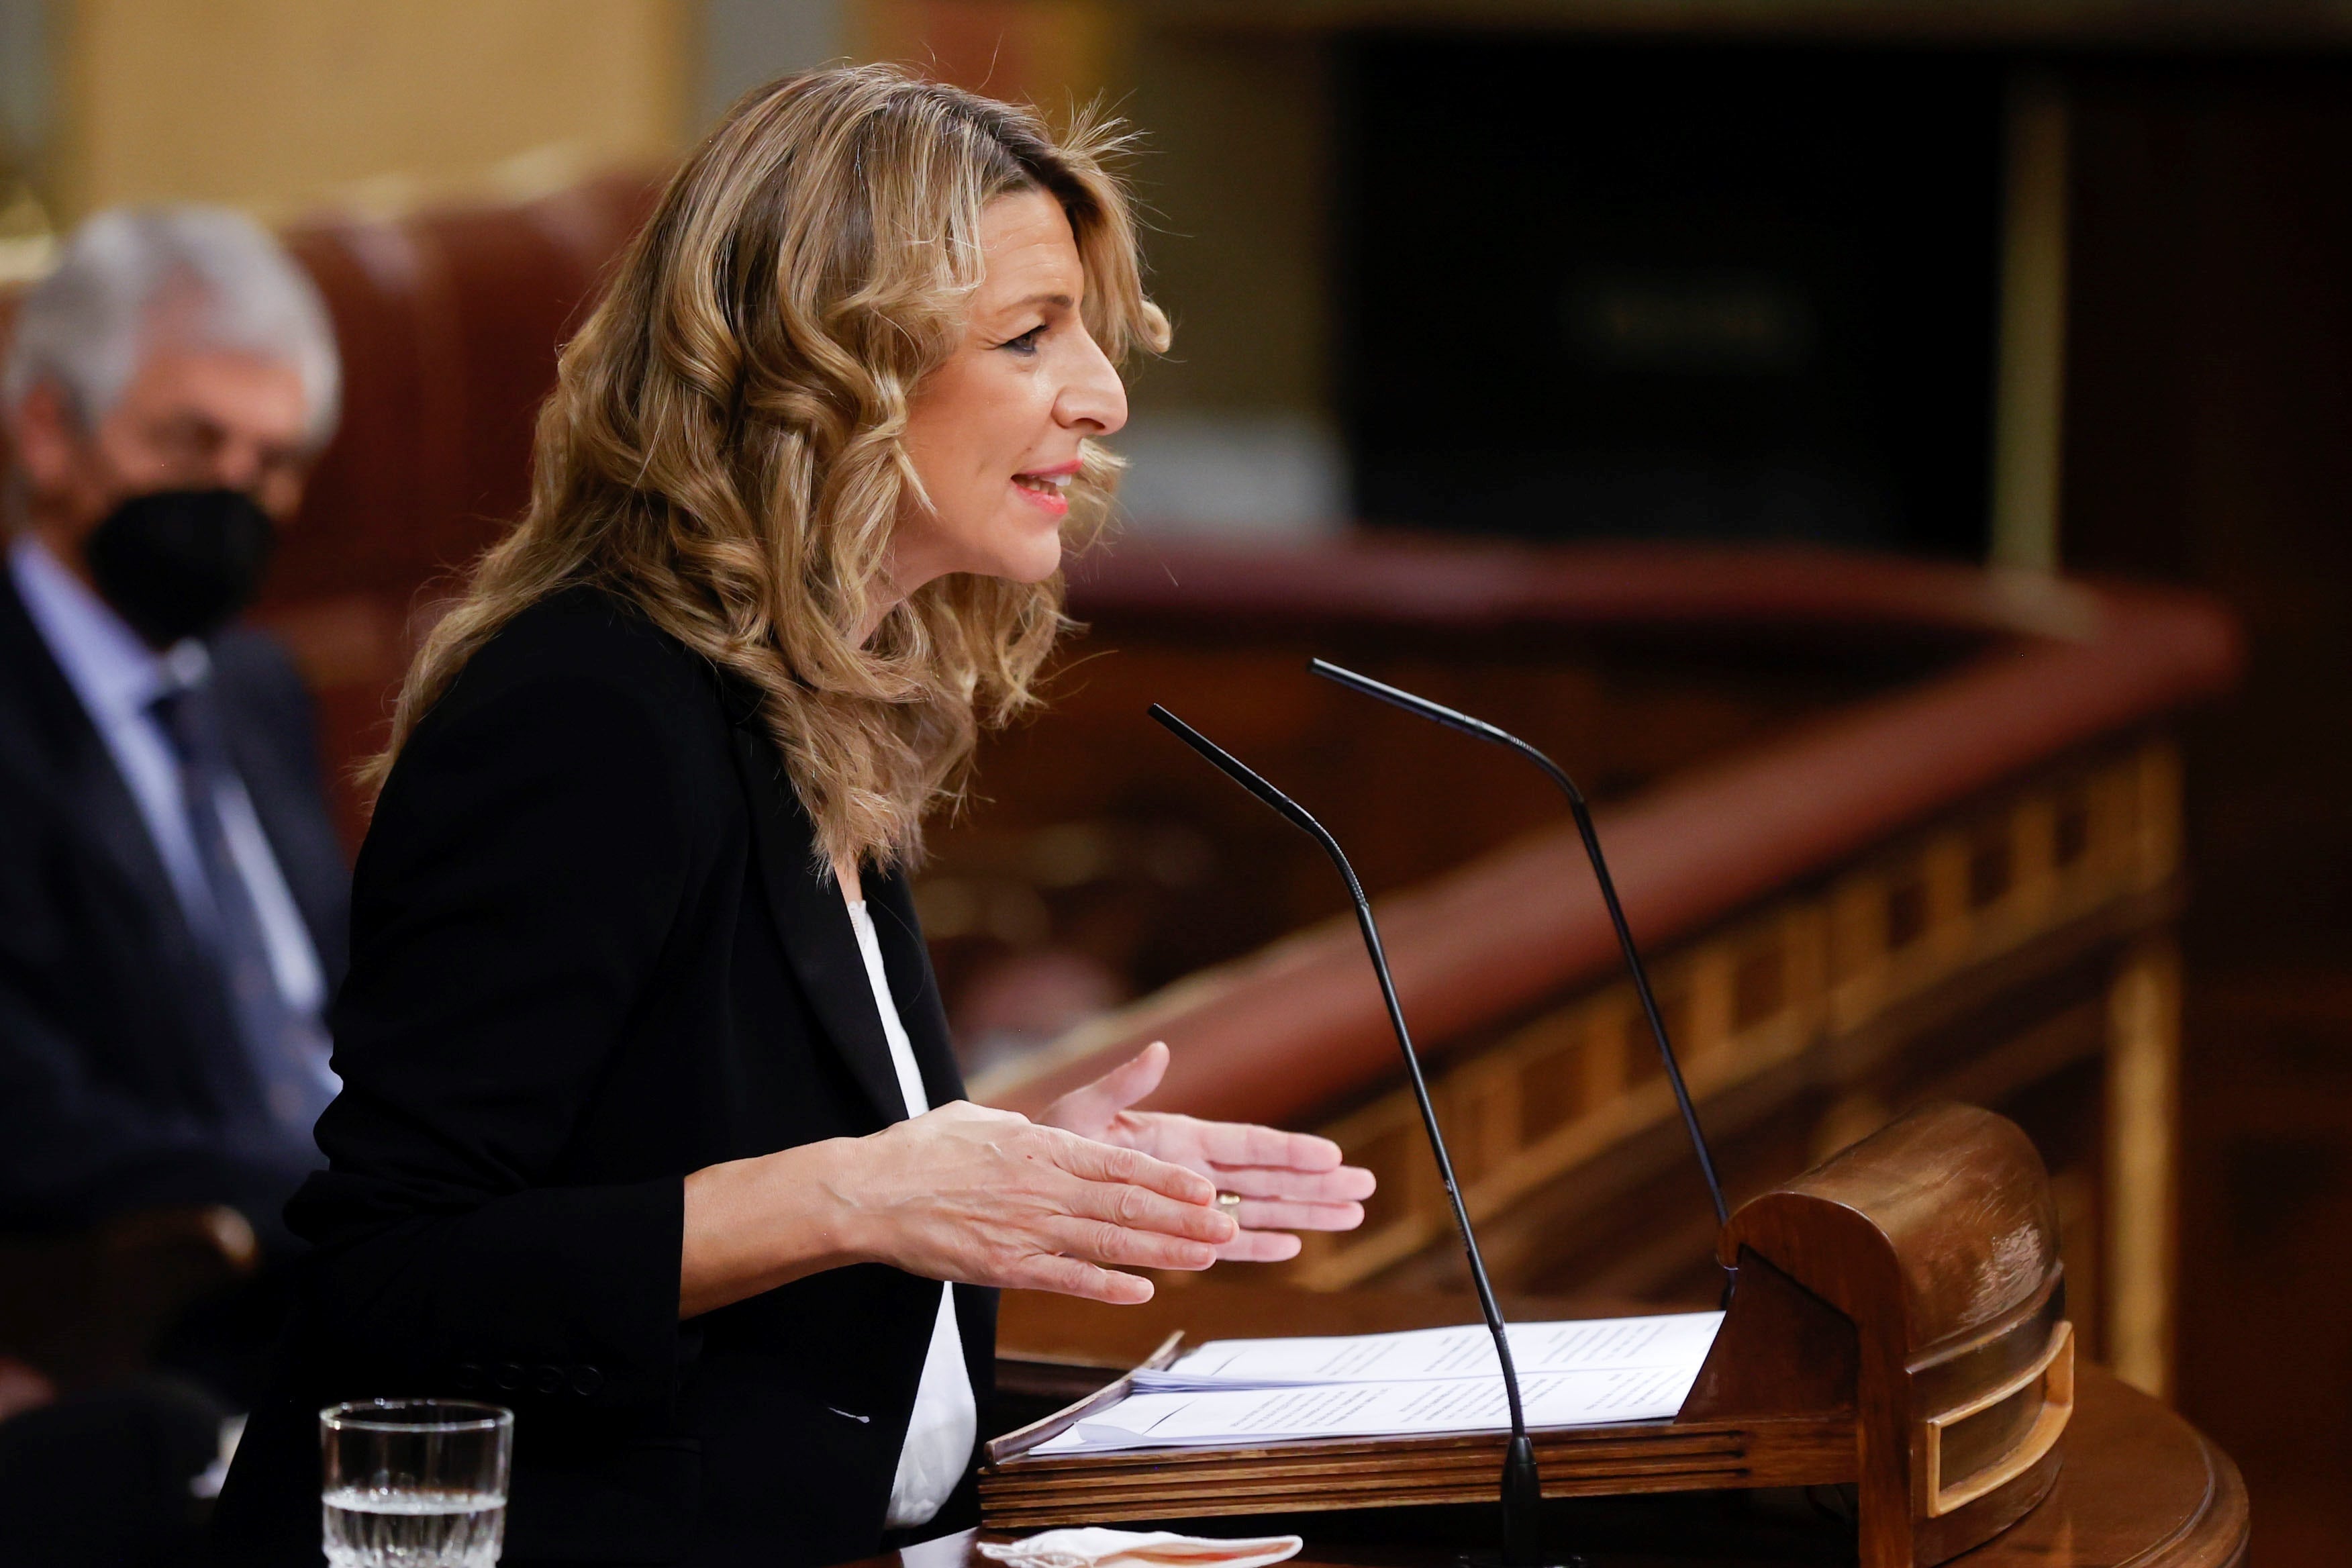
(946, 1422)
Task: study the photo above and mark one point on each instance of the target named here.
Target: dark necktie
(286, 1046)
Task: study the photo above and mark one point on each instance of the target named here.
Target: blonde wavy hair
(723, 449)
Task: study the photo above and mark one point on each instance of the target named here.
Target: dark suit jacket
(592, 953)
(121, 1078)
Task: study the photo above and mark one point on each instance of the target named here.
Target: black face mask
(179, 564)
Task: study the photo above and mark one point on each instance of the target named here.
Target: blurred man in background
(171, 892)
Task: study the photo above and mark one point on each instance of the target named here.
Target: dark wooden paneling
(2209, 441)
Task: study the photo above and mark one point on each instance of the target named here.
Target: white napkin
(1095, 1547)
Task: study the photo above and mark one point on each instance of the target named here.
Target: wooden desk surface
(2141, 1485)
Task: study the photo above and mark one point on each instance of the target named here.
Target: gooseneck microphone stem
(1522, 1485)
(1454, 719)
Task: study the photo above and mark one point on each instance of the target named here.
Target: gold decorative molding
(2142, 1153)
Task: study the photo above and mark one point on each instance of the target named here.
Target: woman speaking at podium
(649, 1127)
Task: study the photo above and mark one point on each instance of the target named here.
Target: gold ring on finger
(1230, 1203)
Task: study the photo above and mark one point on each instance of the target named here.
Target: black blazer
(592, 953)
(122, 1078)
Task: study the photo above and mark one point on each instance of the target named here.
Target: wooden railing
(1963, 886)
(1810, 988)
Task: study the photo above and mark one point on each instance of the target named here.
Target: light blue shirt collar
(110, 667)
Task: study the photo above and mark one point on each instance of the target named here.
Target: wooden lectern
(1908, 1293)
(1899, 1325)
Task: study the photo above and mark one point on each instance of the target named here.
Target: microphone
(1453, 719)
(1522, 1485)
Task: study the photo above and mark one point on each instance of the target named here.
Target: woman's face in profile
(994, 432)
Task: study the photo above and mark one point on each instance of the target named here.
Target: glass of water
(415, 1483)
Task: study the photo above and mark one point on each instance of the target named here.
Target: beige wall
(281, 104)
(1052, 53)
(1235, 175)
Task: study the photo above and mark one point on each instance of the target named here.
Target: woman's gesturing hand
(1287, 1181)
(980, 1196)
(988, 1198)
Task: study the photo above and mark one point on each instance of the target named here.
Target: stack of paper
(1600, 1344)
(1279, 1426)
(1426, 1382)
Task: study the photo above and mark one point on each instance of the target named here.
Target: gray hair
(85, 327)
